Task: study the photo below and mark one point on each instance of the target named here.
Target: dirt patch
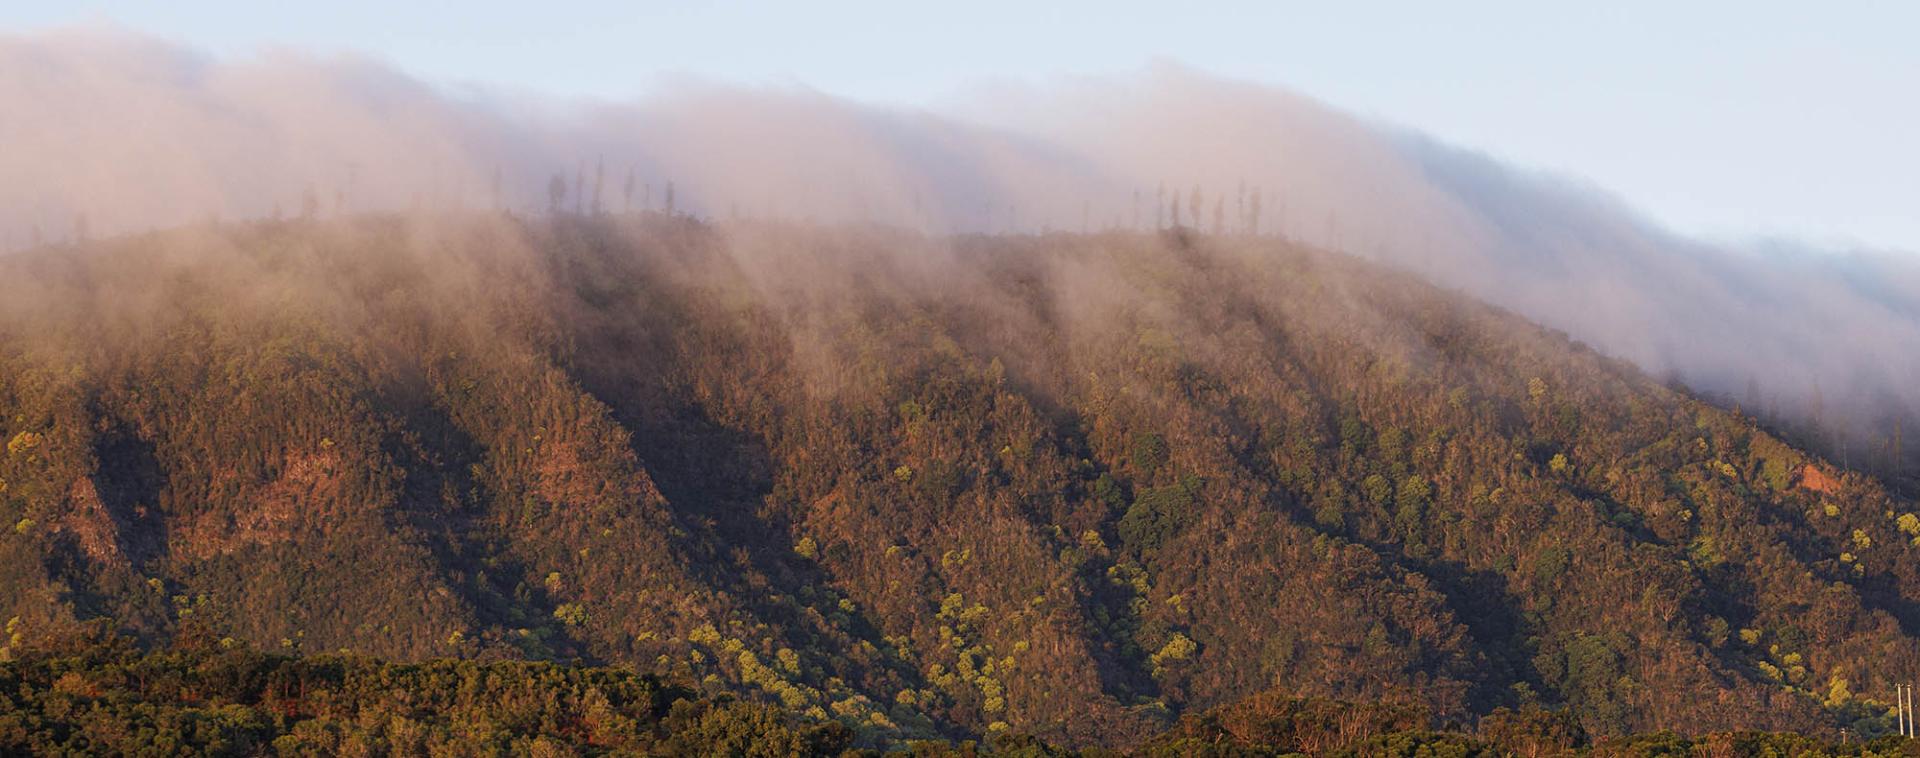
(306, 493)
(1813, 478)
(91, 524)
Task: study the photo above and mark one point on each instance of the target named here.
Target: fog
(105, 132)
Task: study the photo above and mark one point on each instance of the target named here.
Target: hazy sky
(1723, 119)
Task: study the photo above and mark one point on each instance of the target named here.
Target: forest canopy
(881, 487)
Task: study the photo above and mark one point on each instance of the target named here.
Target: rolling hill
(1070, 485)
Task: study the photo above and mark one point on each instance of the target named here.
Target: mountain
(1070, 485)
(1802, 333)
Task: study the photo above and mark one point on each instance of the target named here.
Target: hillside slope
(1072, 485)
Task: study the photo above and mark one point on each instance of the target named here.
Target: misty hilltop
(110, 132)
(1076, 485)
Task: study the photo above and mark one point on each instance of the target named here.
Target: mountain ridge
(1069, 485)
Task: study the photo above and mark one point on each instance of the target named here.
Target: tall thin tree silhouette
(1253, 213)
(1240, 207)
(580, 188)
(599, 183)
(627, 192)
(556, 193)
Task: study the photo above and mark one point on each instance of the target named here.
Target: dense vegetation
(98, 694)
(1089, 488)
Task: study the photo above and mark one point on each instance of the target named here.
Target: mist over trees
(1710, 316)
(1077, 485)
(1353, 428)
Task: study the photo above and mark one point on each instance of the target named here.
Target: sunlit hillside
(1068, 485)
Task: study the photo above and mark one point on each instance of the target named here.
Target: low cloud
(108, 133)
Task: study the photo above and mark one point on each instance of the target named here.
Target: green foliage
(1533, 731)
(103, 697)
(23, 443)
(1272, 723)
(1776, 473)
(1377, 489)
(1147, 454)
(1107, 490)
(748, 731)
(1550, 562)
(1178, 648)
(1425, 745)
(571, 614)
(1590, 670)
(1157, 514)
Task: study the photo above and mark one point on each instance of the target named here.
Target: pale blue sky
(1723, 119)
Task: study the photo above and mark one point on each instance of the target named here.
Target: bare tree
(556, 194)
(1253, 213)
(1160, 207)
(496, 188)
(309, 204)
(669, 200)
(1195, 203)
(1240, 207)
(599, 183)
(580, 189)
(627, 191)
